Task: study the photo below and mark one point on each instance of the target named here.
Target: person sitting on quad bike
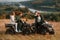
(38, 21)
(12, 20)
(41, 26)
(18, 20)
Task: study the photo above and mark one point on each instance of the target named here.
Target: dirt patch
(29, 37)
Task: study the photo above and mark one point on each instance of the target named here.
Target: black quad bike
(48, 28)
(43, 29)
(10, 29)
(26, 29)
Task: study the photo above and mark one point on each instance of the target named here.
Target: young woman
(12, 19)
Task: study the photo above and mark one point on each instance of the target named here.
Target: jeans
(38, 27)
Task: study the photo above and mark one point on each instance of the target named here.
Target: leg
(36, 27)
(16, 27)
(19, 27)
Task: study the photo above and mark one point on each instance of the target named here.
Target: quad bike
(43, 28)
(33, 28)
(10, 29)
(26, 29)
(49, 28)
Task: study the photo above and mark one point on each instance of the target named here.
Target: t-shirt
(12, 19)
(39, 19)
(17, 17)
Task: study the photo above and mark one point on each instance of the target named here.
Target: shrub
(52, 17)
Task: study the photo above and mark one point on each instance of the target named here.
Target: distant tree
(4, 15)
(9, 9)
(17, 4)
(24, 9)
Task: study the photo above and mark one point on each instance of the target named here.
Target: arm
(42, 18)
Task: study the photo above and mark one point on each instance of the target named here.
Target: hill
(43, 5)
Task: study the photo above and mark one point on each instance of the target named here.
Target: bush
(7, 16)
(29, 16)
(52, 17)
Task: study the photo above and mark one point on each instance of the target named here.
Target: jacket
(41, 21)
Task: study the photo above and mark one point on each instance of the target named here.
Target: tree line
(28, 14)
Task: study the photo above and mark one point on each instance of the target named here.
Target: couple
(14, 17)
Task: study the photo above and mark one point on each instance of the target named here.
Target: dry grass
(29, 37)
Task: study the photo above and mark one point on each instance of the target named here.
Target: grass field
(4, 36)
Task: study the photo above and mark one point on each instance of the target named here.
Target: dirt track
(29, 37)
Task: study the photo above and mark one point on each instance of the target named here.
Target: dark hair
(11, 13)
(17, 13)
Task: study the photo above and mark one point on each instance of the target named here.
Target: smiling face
(21, 14)
(37, 13)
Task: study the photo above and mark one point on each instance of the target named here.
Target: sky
(13, 0)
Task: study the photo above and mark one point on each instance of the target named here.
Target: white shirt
(12, 18)
(39, 19)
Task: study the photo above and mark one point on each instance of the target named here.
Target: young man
(18, 20)
(38, 20)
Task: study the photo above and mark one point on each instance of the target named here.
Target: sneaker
(20, 31)
(16, 30)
